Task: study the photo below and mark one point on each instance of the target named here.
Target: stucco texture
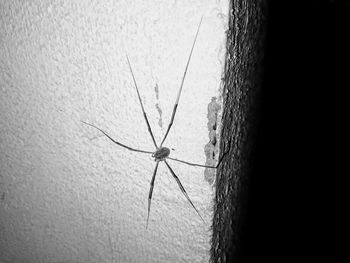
(67, 193)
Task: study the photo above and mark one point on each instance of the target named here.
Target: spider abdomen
(161, 153)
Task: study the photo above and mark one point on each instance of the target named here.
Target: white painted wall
(67, 194)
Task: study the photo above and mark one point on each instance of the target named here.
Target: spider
(161, 153)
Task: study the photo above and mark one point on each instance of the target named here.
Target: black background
(303, 102)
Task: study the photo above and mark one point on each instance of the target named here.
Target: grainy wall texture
(67, 193)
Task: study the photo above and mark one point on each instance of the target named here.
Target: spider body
(161, 153)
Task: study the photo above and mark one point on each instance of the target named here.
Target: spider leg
(143, 110)
(183, 189)
(192, 164)
(120, 144)
(151, 191)
(182, 83)
(200, 165)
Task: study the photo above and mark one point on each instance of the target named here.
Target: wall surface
(67, 193)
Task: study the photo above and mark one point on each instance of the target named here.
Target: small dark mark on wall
(160, 121)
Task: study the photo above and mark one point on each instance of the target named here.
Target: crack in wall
(211, 149)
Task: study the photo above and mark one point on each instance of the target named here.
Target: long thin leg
(151, 191)
(200, 165)
(183, 189)
(120, 144)
(193, 164)
(182, 83)
(143, 110)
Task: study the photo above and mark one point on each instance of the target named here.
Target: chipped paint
(211, 149)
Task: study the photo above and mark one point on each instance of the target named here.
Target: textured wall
(67, 194)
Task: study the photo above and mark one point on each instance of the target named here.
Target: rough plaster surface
(67, 194)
